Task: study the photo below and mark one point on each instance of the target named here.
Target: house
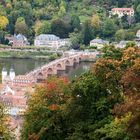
(18, 40)
(122, 11)
(137, 40)
(99, 43)
(50, 40)
(138, 34)
(122, 44)
(64, 42)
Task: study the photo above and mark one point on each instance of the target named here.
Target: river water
(22, 66)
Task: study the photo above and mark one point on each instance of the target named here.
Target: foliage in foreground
(5, 133)
(99, 105)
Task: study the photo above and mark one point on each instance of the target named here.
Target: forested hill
(61, 17)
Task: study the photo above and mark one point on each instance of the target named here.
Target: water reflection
(22, 66)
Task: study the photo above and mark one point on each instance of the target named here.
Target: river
(22, 66)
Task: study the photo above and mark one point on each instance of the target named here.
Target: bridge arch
(59, 65)
(50, 71)
(74, 60)
(40, 77)
(67, 62)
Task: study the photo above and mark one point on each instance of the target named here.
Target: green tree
(75, 39)
(120, 35)
(62, 10)
(87, 32)
(137, 14)
(109, 28)
(22, 9)
(130, 35)
(60, 27)
(75, 22)
(42, 27)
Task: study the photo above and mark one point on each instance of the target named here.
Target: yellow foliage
(123, 119)
(9, 5)
(3, 22)
(95, 21)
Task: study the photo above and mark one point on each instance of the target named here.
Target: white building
(50, 40)
(122, 11)
(138, 38)
(6, 77)
(138, 34)
(99, 43)
(122, 44)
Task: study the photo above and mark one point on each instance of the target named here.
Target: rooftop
(122, 9)
(100, 41)
(47, 36)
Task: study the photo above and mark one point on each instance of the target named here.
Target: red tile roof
(123, 9)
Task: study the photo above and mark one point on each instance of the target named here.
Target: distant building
(122, 44)
(99, 43)
(138, 34)
(18, 40)
(12, 79)
(137, 40)
(122, 11)
(50, 40)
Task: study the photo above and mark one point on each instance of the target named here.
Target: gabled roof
(123, 42)
(47, 37)
(20, 37)
(99, 41)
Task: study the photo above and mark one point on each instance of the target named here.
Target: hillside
(64, 17)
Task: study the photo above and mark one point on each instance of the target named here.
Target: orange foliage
(131, 53)
(53, 107)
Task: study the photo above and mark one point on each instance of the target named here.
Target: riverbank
(29, 54)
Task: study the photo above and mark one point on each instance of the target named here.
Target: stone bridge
(60, 64)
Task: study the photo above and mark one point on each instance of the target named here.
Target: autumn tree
(131, 89)
(3, 22)
(21, 26)
(5, 133)
(44, 108)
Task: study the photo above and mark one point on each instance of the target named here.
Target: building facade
(50, 40)
(18, 40)
(122, 11)
(138, 34)
(99, 43)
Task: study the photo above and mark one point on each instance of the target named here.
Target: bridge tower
(4, 74)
